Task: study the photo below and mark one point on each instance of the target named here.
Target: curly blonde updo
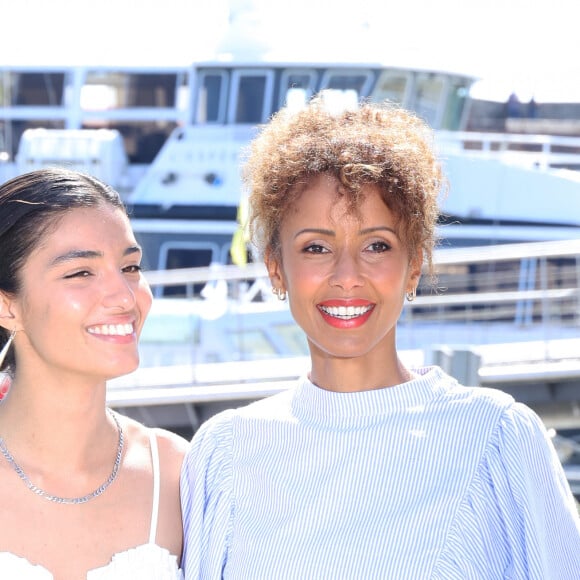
(383, 145)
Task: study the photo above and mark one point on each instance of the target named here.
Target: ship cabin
(195, 181)
(142, 104)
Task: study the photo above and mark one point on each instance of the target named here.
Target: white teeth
(112, 329)
(346, 312)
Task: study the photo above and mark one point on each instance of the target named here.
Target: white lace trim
(148, 561)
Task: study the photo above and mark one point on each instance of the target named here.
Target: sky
(530, 47)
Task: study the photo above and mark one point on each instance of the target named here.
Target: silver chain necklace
(69, 500)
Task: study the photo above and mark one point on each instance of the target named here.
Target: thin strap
(155, 508)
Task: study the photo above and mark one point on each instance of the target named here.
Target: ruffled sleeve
(207, 498)
(518, 518)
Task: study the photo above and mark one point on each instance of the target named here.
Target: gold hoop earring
(281, 294)
(411, 295)
(6, 347)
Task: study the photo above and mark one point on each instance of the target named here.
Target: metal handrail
(522, 292)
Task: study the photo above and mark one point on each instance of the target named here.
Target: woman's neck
(56, 422)
(359, 373)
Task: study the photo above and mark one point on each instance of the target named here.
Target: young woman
(86, 493)
(366, 469)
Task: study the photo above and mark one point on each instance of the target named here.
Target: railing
(541, 151)
(484, 297)
(535, 283)
(487, 327)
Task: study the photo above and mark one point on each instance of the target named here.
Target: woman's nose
(118, 292)
(346, 274)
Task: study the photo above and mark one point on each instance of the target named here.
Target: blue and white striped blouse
(428, 479)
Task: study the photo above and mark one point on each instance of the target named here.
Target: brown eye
(315, 249)
(379, 247)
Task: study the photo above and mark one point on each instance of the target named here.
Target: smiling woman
(71, 287)
(366, 468)
(356, 269)
(73, 302)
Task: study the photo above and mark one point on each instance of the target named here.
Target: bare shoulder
(172, 447)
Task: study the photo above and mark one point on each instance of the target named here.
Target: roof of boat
(280, 61)
(253, 60)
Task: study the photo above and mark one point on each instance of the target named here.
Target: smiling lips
(112, 329)
(346, 314)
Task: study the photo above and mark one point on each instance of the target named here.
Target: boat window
(293, 337)
(183, 94)
(4, 156)
(251, 96)
(392, 86)
(32, 89)
(255, 337)
(359, 81)
(296, 88)
(176, 255)
(453, 116)
(211, 96)
(142, 139)
(5, 88)
(105, 90)
(226, 253)
(143, 134)
(173, 327)
(428, 98)
(251, 344)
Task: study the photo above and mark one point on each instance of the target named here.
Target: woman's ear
(415, 269)
(7, 311)
(274, 267)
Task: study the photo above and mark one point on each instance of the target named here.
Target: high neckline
(318, 405)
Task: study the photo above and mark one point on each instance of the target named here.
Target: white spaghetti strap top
(145, 562)
(156, 485)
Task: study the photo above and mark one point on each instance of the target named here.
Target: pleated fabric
(428, 479)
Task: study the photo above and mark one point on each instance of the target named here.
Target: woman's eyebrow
(89, 254)
(378, 229)
(320, 231)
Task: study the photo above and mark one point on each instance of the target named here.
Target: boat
(143, 104)
(184, 128)
(216, 337)
(504, 188)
